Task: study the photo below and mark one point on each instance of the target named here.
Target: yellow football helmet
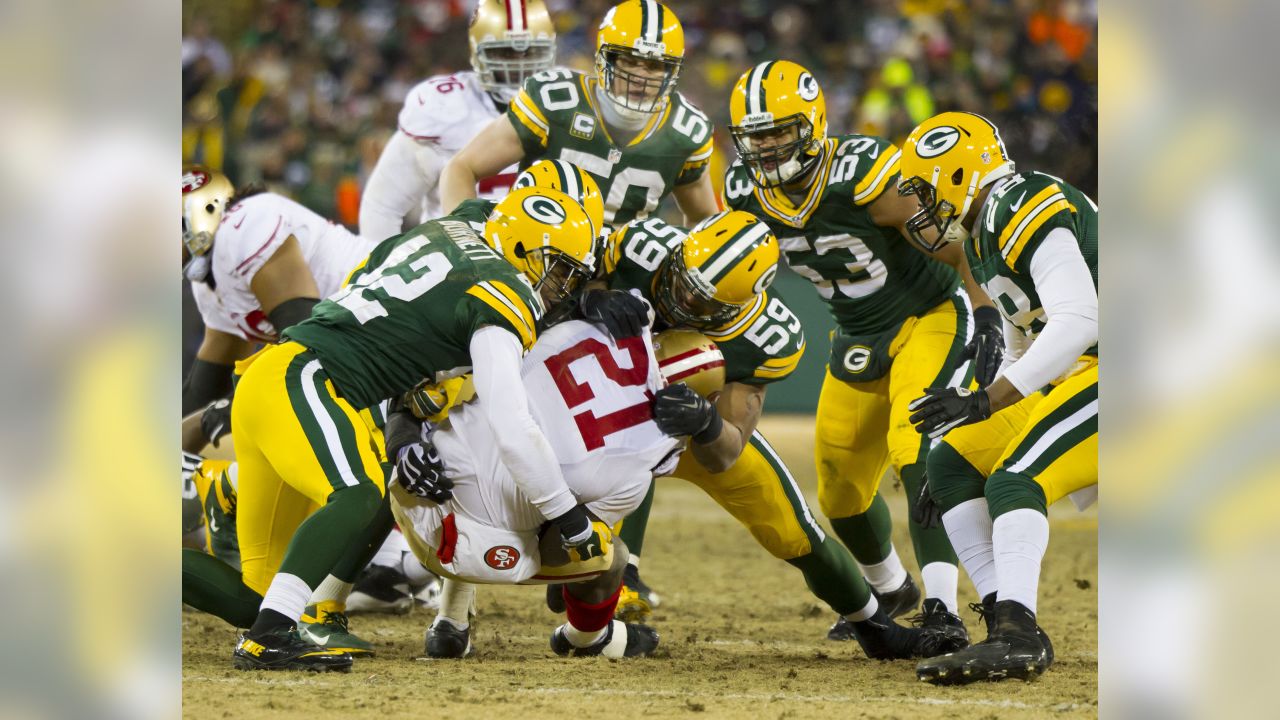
(689, 357)
(547, 236)
(778, 120)
(569, 179)
(510, 41)
(725, 262)
(205, 195)
(945, 162)
(639, 32)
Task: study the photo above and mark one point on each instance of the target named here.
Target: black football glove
(986, 349)
(420, 471)
(215, 422)
(581, 537)
(624, 315)
(678, 410)
(941, 409)
(924, 511)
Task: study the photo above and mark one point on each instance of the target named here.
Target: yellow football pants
(296, 442)
(862, 428)
(1051, 437)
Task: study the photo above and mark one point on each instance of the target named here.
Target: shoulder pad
(447, 110)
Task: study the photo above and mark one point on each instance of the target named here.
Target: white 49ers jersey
(440, 116)
(592, 398)
(251, 232)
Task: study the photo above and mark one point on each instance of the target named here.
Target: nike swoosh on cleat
(317, 640)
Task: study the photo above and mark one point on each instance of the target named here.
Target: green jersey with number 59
(762, 345)
(409, 312)
(870, 276)
(556, 116)
(1020, 213)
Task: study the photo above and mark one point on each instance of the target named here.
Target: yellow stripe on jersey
(778, 368)
(702, 156)
(500, 304)
(1029, 207)
(530, 314)
(613, 250)
(1024, 236)
(588, 85)
(652, 126)
(347, 280)
(527, 113)
(874, 182)
(740, 324)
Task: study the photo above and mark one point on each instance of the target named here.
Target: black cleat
(1014, 649)
(895, 603)
(447, 641)
(555, 598)
(620, 640)
(987, 613)
(934, 614)
(883, 639)
(283, 649)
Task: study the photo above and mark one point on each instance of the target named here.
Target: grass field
(741, 637)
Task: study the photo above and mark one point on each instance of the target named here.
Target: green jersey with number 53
(556, 116)
(762, 345)
(409, 312)
(870, 276)
(1022, 210)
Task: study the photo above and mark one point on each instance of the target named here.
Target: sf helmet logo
(937, 141)
(807, 87)
(502, 557)
(544, 210)
(194, 180)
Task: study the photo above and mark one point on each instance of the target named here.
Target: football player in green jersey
(626, 126)
(715, 280)
(435, 302)
(901, 322)
(1028, 439)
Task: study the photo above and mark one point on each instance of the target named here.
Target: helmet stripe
(569, 180)
(516, 19)
(658, 24)
(756, 101)
(720, 263)
(648, 20)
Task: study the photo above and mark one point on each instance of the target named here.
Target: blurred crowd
(302, 94)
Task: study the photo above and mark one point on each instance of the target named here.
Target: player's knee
(952, 479)
(845, 499)
(362, 500)
(1008, 491)
(784, 545)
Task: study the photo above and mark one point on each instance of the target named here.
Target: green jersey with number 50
(1013, 222)
(762, 345)
(556, 116)
(870, 276)
(409, 312)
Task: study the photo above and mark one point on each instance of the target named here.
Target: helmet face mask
(505, 65)
(683, 302)
(555, 276)
(934, 218)
(635, 81)
(776, 153)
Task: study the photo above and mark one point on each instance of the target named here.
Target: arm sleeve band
(206, 382)
(402, 428)
(495, 357)
(291, 312)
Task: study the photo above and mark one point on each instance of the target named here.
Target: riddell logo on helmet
(503, 557)
(644, 47)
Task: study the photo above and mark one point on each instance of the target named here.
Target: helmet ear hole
(519, 250)
(957, 177)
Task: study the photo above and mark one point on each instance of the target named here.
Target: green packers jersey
(556, 116)
(1012, 224)
(475, 212)
(409, 312)
(762, 345)
(870, 277)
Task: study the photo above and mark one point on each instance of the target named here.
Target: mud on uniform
(901, 320)
(1050, 436)
(556, 116)
(760, 346)
(408, 313)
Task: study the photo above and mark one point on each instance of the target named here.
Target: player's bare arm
(739, 406)
(496, 147)
(284, 278)
(697, 200)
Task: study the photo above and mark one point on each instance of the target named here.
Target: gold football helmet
(569, 179)
(778, 120)
(725, 262)
(945, 162)
(689, 357)
(510, 41)
(205, 194)
(639, 52)
(547, 236)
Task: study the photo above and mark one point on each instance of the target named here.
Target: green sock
(952, 480)
(366, 546)
(931, 544)
(831, 575)
(868, 535)
(324, 538)
(634, 525)
(215, 587)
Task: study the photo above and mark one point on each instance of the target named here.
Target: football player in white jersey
(510, 41)
(592, 396)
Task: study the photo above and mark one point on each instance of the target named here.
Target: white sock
(389, 554)
(940, 581)
(332, 590)
(634, 560)
(287, 595)
(582, 638)
(886, 575)
(969, 529)
(867, 611)
(456, 598)
(1020, 537)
